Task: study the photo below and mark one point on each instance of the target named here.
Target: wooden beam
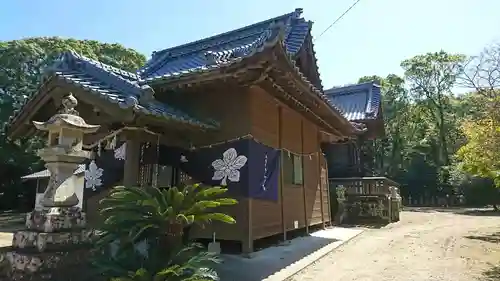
(304, 190)
(282, 170)
(247, 244)
(131, 166)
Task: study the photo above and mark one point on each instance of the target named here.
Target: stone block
(42, 241)
(34, 266)
(55, 219)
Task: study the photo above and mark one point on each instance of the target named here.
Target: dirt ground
(427, 244)
(9, 222)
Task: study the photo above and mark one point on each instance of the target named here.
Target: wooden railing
(363, 185)
(362, 197)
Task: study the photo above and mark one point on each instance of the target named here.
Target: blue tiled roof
(224, 48)
(131, 90)
(114, 85)
(357, 102)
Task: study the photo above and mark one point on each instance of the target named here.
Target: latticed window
(184, 178)
(293, 169)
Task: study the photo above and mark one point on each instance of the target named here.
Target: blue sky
(373, 38)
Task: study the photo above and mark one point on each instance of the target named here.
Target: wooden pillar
(247, 243)
(304, 190)
(282, 176)
(131, 166)
(320, 182)
(329, 209)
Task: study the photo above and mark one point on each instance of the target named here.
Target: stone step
(55, 219)
(41, 266)
(51, 241)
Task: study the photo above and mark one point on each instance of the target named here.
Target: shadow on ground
(492, 274)
(492, 238)
(455, 210)
(271, 260)
(268, 261)
(369, 225)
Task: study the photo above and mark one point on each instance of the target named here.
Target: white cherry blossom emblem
(121, 152)
(228, 167)
(93, 176)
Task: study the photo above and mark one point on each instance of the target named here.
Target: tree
(432, 77)
(21, 67)
(480, 155)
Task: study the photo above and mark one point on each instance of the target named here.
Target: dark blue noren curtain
(264, 165)
(249, 169)
(198, 164)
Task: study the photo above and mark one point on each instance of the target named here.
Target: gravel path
(427, 245)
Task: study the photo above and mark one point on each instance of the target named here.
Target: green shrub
(155, 219)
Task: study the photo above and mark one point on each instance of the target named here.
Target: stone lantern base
(50, 236)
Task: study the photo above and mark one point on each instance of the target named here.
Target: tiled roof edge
(71, 60)
(158, 58)
(347, 89)
(269, 38)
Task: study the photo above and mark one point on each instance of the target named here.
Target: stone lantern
(63, 153)
(60, 226)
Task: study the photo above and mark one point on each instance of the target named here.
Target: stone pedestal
(396, 203)
(341, 214)
(45, 242)
(58, 229)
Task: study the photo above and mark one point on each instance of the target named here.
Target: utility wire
(338, 19)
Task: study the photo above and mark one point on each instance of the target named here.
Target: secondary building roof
(360, 102)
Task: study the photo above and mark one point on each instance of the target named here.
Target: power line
(338, 19)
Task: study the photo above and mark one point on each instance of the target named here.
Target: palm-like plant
(190, 263)
(157, 216)
(157, 212)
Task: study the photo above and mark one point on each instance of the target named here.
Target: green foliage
(156, 217)
(191, 262)
(21, 68)
(153, 212)
(432, 77)
(480, 156)
(437, 142)
(422, 119)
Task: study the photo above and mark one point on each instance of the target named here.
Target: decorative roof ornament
(69, 104)
(297, 13)
(147, 94)
(211, 57)
(360, 127)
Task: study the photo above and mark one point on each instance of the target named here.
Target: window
(166, 176)
(292, 168)
(42, 185)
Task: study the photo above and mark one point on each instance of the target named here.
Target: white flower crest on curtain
(228, 167)
(184, 159)
(121, 152)
(93, 176)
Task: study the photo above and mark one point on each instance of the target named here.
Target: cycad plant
(156, 217)
(191, 263)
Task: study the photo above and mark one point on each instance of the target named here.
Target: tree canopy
(439, 142)
(21, 66)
